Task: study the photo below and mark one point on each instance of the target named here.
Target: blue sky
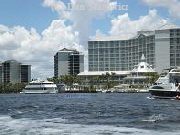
(31, 13)
(32, 31)
(28, 13)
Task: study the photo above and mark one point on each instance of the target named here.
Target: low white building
(116, 76)
(136, 76)
(139, 75)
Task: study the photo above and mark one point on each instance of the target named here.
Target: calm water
(88, 114)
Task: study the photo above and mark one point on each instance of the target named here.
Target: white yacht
(167, 86)
(40, 87)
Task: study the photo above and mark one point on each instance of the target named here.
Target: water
(88, 114)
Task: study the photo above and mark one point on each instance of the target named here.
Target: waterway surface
(88, 114)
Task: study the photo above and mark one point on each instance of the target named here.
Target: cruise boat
(40, 87)
(167, 86)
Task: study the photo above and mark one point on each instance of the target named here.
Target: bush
(11, 88)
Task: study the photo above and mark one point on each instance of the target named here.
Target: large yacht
(167, 86)
(40, 87)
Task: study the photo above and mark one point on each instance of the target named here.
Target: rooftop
(94, 73)
(143, 66)
(14, 61)
(144, 32)
(9, 61)
(110, 38)
(168, 26)
(67, 50)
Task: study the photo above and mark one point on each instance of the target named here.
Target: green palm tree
(152, 77)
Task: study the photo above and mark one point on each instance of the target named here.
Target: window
(157, 87)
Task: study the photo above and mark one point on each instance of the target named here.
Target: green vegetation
(152, 77)
(109, 81)
(11, 88)
(105, 81)
(68, 80)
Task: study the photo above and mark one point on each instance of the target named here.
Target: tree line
(12, 88)
(105, 80)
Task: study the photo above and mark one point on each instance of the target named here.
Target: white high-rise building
(160, 47)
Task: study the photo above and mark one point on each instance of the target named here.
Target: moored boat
(167, 86)
(40, 87)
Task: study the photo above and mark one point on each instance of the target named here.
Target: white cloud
(8, 42)
(55, 5)
(124, 26)
(99, 33)
(172, 5)
(37, 49)
(81, 18)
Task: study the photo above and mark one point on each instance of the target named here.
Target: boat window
(47, 83)
(174, 79)
(157, 87)
(34, 88)
(175, 70)
(142, 66)
(35, 83)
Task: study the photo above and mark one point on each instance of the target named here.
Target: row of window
(49, 88)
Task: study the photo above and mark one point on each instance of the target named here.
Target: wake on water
(155, 118)
(59, 126)
(150, 97)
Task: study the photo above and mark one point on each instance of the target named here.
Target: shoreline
(63, 92)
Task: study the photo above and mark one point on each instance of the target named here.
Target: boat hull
(39, 91)
(164, 93)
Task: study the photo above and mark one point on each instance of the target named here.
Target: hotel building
(136, 76)
(68, 62)
(12, 71)
(160, 47)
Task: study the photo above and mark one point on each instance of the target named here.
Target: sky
(32, 31)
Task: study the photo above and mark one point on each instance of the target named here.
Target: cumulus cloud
(124, 26)
(55, 5)
(8, 42)
(81, 18)
(37, 49)
(171, 5)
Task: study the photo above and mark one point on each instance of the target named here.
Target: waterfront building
(160, 47)
(141, 73)
(12, 71)
(94, 76)
(68, 61)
